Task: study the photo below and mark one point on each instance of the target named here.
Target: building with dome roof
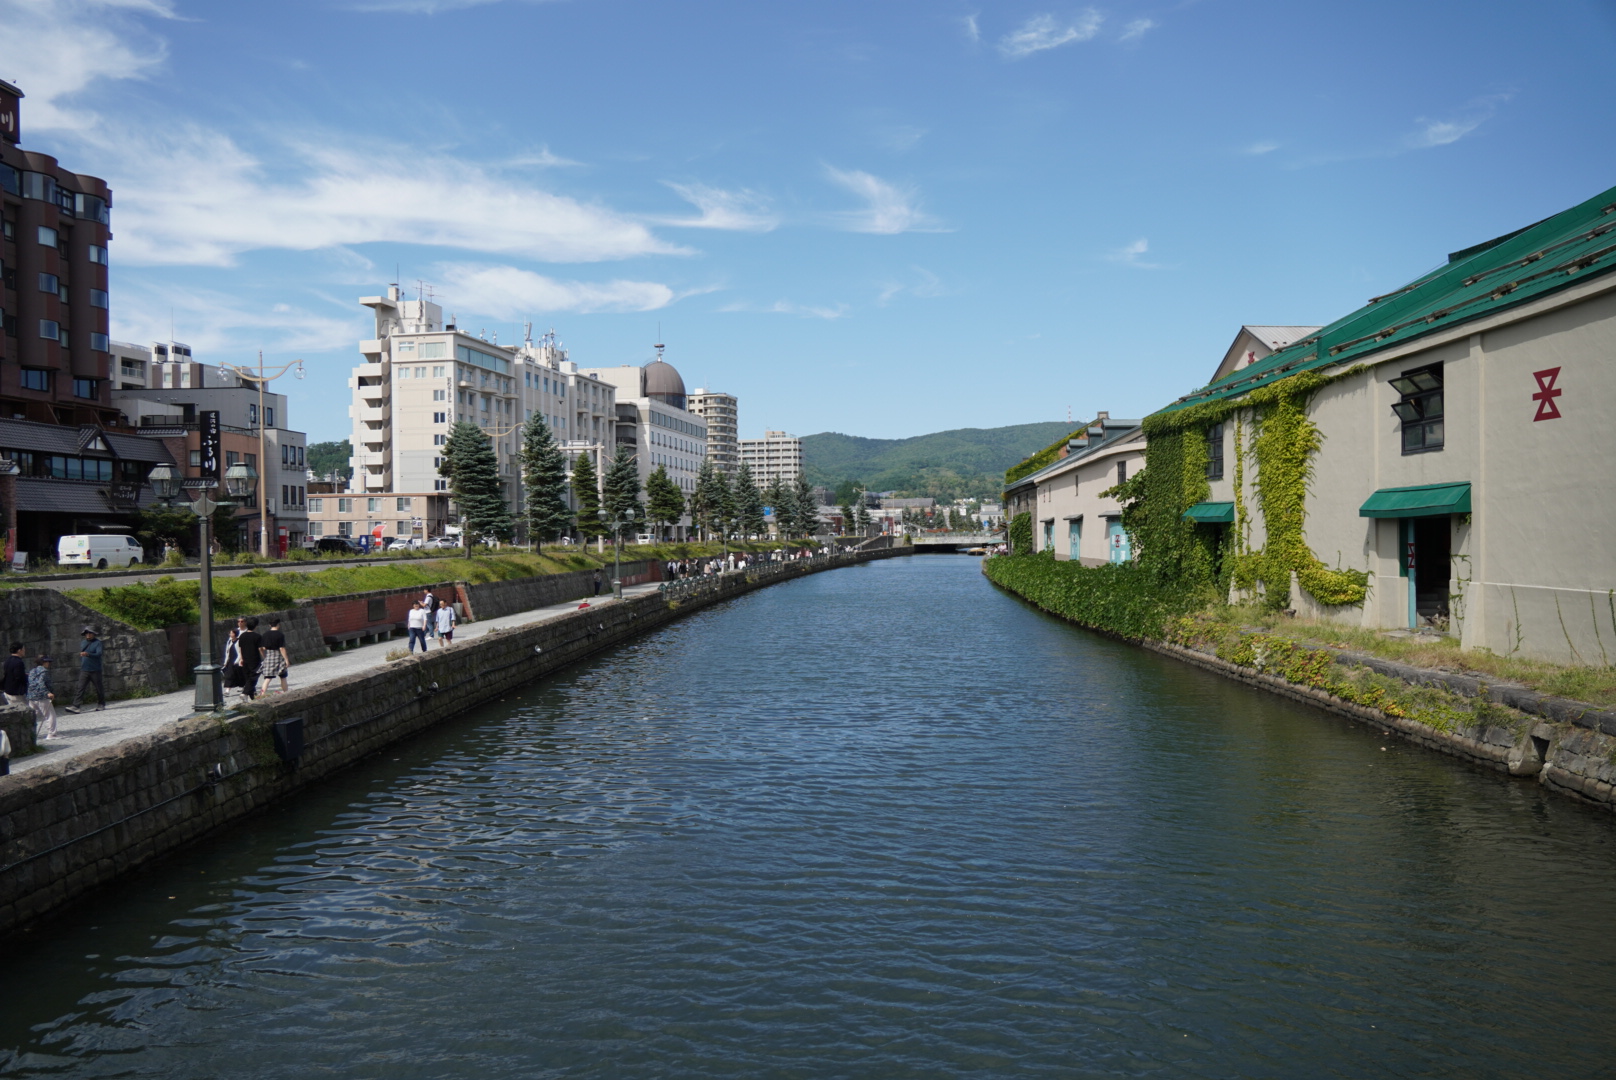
(655, 424)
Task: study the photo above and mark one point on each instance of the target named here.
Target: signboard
(212, 448)
(1410, 564)
(10, 127)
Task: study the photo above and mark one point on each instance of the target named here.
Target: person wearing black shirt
(14, 681)
(252, 654)
(276, 662)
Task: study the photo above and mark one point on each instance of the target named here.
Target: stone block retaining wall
(45, 620)
(70, 827)
(493, 599)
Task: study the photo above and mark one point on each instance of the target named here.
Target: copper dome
(662, 383)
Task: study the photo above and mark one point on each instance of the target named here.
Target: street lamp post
(616, 522)
(166, 484)
(262, 380)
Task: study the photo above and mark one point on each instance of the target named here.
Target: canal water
(880, 822)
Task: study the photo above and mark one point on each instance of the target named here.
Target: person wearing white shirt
(417, 625)
(446, 624)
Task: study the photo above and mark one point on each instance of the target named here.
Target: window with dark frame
(1122, 472)
(1420, 408)
(1214, 452)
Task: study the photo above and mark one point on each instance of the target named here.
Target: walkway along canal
(884, 822)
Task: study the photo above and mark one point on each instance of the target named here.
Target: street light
(616, 522)
(262, 380)
(238, 482)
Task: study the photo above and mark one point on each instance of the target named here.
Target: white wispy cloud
(973, 33)
(542, 158)
(222, 324)
(1042, 32)
(927, 286)
(742, 211)
(1441, 132)
(216, 200)
(1134, 255)
(508, 292)
(1138, 29)
(890, 208)
(786, 307)
(71, 44)
(1261, 147)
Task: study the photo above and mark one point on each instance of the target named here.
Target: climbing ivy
(1021, 534)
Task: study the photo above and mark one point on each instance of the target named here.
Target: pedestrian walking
(276, 661)
(251, 644)
(231, 667)
(14, 680)
(417, 625)
(445, 623)
(89, 671)
(42, 699)
(597, 582)
(431, 604)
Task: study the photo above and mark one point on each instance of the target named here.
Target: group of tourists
(250, 656)
(431, 618)
(35, 688)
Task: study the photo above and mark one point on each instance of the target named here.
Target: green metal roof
(1426, 500)
(1211, 513)
(1554, 254)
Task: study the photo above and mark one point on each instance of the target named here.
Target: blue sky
(883, 219)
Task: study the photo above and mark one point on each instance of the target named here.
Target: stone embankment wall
(45, 620)
(1568, 746)
(70, 827)
(494, 599)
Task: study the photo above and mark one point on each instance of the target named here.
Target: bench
(348, 639)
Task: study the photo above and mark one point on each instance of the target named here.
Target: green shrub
(1021, 534)
(153, 606)
(1119, 597)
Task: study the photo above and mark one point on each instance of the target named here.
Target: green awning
(1427, 500)
(1211, 513)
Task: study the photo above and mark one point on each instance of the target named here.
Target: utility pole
(262, 380)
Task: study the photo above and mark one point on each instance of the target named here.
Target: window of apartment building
(344, 506)
(437, 371)
(439, 440)
(420, 373)
(269, 416)
(87, 388)
(344, 528)
(50, 283)
(440, 485)
(316, 528)
(316, 506)
(98, 254)
(437, 463)
(252, 413)
(134, 369)
(48, 236)
(1214, 452)
(99, 342)
(404, 503)
(231, 457)
(433, 350)
(50, 330)
(1122, 471)
(373, 505)
(405, 527)
(440, 418)
(98, 298)
(251, 459)
(35, 379)
(1420, 409)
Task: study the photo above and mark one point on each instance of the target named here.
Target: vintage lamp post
(261, 380)
(238, 482)
(616, 522)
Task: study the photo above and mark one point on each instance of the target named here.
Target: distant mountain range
(964, 463)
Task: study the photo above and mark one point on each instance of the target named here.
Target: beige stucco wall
(1534, 565)
(1073, 488)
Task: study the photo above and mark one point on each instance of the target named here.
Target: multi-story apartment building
(421, 375)
(419, 514)
(775, 456)
(719, 411)
(653, 404)
(54, 252)
(162, 394)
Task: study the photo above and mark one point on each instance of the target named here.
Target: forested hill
(964, 463)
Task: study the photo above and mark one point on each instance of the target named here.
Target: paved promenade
(90, 730)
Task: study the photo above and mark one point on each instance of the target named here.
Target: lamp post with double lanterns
(238, 482)
(615, 522)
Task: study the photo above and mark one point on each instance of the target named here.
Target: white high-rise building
(655, 425)
(776, 455)
(719, 412)
(420, 375)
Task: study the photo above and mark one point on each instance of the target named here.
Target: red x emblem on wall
(1546, 393)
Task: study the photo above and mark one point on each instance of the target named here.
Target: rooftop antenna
(527, 332)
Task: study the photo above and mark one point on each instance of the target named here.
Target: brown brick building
(54, 351)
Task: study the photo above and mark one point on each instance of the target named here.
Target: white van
(98, 551)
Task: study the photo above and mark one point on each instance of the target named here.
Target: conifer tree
(544, 479)
(847, 516)
(704, 500)
(805, 505)
(748, 503)
(664, 502)
(472, 469)
(621, 491)
(586, 494)
(861, 517)
(775, 498)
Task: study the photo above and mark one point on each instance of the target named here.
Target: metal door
(1116, 538)
(1074, 540)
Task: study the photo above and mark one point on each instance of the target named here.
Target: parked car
(98, 551)
(443, 543)
(402, 543)
(336, 545)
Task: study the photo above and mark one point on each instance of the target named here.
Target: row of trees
(721, 506)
